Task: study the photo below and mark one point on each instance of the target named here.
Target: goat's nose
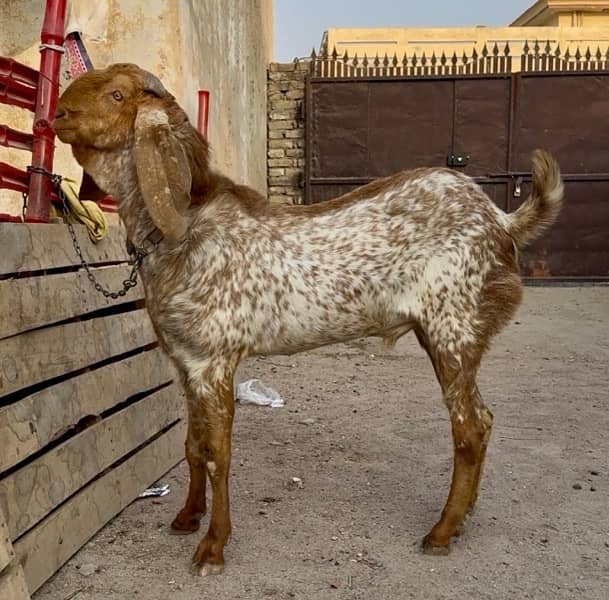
(59, 113)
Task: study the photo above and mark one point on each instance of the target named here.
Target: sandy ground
(374, 455)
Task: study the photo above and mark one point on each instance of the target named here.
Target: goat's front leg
(216, 413)
(189, 518)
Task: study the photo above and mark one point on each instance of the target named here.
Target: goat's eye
(117, 96)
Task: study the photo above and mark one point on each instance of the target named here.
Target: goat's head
(124, 108)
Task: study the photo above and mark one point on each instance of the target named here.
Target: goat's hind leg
(486, 416)
(470, 423)
(482, 411)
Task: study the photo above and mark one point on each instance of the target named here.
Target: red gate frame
(39, 92)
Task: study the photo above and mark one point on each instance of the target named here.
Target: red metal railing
(37, 91)
(203, 117)
(18, 84)
(15, 139)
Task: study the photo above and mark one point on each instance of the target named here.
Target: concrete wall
(573, 18)
(585, 19)
(220, 45)
(228, 52)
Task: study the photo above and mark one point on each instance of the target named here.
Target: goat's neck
(115, 173)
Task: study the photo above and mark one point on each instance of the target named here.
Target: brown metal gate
(360, 127)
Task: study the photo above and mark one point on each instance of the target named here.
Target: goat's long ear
(163, 172)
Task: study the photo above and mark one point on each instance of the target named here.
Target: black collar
(149, 244)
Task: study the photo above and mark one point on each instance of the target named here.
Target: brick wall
(286, 133)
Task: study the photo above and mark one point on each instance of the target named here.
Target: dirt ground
(366, 431)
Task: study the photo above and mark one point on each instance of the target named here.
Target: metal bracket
(457, 160)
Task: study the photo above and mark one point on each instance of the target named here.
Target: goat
(228, 275)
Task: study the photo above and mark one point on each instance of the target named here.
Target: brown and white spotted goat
(233, 276)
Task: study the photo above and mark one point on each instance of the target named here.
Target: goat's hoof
(207, 569)
(184, 524)
(434, 549)
(208, 558)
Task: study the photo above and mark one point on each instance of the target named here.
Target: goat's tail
(540, 210)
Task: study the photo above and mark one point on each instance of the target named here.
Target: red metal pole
(203, 117)
(46, 101)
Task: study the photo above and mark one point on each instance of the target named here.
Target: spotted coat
(423, 250)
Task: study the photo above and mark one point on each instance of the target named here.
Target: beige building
(563, 23)
(224, 47)
(565, 13)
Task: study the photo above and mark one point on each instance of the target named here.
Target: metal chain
(138, 255)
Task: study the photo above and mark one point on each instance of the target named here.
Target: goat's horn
(153, 85)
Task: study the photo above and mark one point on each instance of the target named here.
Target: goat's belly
(312, 329)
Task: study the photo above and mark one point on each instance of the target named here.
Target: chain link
(137, 256)
(128, 283)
